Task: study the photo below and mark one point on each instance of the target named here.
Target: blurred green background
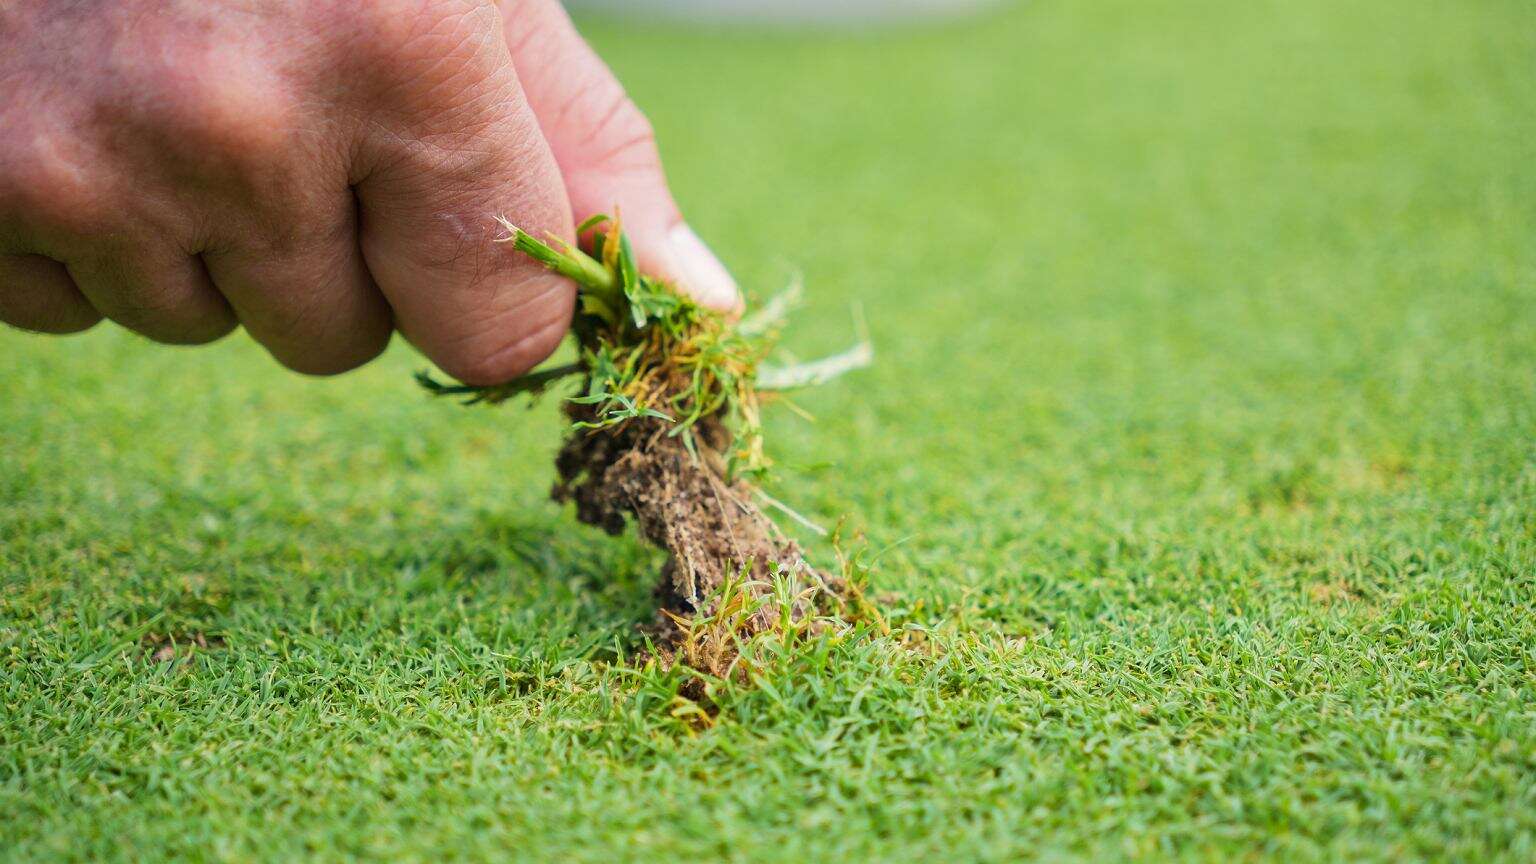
(1200, 439)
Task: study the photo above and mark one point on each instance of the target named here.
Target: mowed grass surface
(1200, 448)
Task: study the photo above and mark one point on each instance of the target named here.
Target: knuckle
(226, 128)
(450, 231)
(197, 126)
(134, 287)
(61, 322)
(273, 232)
(152, 313)
(211, 330)
(35, 295)
(288, 313)
(454, 169)
(43, 187)
(55, 320)
(312, 331)
(328, 363)
(431, 67)
(145, 308)
(171, 320)
(400, 36)
(185, 333)
(491, 356)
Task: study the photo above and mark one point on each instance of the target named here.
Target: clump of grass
(666, 433)
(647, 350)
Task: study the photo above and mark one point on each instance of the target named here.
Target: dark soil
(710, 528)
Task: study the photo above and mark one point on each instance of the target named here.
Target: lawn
(1199, 458)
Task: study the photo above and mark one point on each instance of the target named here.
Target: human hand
(319, 173)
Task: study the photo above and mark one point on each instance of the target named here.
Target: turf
(1199, 450)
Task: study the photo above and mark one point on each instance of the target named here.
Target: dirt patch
(172, 647)
(711, 528)
(1330, 593)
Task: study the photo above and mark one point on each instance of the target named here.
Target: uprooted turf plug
(665, 434)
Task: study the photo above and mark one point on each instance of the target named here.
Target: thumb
(606, 149)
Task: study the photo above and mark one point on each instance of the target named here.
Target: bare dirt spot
(1329, 593)
(172, 647)
(711, 528)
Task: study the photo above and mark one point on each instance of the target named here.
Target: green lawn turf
(1201, 438)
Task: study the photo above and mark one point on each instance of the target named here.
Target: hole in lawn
(175, 647)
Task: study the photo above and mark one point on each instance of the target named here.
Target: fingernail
(703, 276)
